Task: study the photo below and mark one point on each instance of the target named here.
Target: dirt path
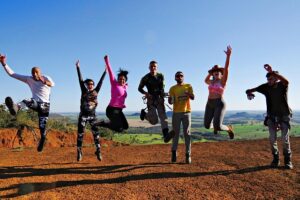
(220, 170)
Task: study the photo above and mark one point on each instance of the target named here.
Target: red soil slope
(219, 170)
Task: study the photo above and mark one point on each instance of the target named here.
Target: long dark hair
(123, 72)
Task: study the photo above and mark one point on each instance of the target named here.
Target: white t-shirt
(40, 92)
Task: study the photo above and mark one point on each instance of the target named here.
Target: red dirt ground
(219, 170)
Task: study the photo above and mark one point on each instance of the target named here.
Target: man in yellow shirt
(180, 95)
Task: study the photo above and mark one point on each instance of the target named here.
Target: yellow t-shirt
(181, 102)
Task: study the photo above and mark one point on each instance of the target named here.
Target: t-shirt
(276, 98)
(154, 84)
(181, 100)
(40, 91)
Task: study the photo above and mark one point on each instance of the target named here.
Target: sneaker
(188, 159)
(275, 162)
(287, 162)
(13, 108)
(98, 154)
(143, 114)
(174, 157)
(230, 132)
(41, 144)
(289, 165)
(79, 154)
(168, 136)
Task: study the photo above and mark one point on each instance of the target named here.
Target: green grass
(242, 131)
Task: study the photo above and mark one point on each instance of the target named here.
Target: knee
(119, 129)
(95, 128)
(153, 121)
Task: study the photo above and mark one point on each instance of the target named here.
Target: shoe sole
(230, 132)
(171, 135)
(41, 145)
(10, 105)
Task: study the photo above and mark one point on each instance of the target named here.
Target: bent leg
(219, 116)
(209, 114)
(151, 115)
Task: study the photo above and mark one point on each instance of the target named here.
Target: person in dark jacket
(88, 105)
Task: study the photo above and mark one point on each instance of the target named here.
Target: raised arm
(226, 68)
(207, 79)
(269, 69)
(81, 83)
(109, 70)
(10, 72)
(98, 87)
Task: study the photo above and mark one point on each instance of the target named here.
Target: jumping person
(215, 107)
(154, 82)
(40, 87)
(88, 105)
(114, 111)
(278, 113)
(180, 95)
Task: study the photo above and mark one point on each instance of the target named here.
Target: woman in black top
(88, 105)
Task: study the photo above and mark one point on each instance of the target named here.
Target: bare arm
(269, 69)
(207, 79)
(227, 63)
(47, 81)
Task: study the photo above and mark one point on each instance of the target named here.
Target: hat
(179, 73)
(216, 68)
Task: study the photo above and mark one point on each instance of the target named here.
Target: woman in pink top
(117, 120)
(215, 107)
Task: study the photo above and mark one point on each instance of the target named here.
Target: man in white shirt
(40, 87)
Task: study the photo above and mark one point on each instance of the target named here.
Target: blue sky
(181, 35)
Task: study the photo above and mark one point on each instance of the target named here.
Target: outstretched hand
(228, 51)
(3, 59)
(77, 64)
(268, 68)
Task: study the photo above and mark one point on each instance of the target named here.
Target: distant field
(140, 134)
(247, 126)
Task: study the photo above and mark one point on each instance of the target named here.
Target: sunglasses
(179, 75)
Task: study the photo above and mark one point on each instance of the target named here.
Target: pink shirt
(118, 92)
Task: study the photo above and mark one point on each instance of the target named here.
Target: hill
(219, 170)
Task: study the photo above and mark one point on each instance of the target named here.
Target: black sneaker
(287, 162)
(275, 162)
(98, 154)
(188, 159)
(13, 108)
(288, 165)
(174, 157)
(168, 136)
(79, 154)
(41, 144)
(143, 114)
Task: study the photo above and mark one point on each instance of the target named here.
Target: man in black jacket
(154, 83)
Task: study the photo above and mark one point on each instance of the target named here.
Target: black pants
(42, 108)
(117, 120)
(82, 122)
